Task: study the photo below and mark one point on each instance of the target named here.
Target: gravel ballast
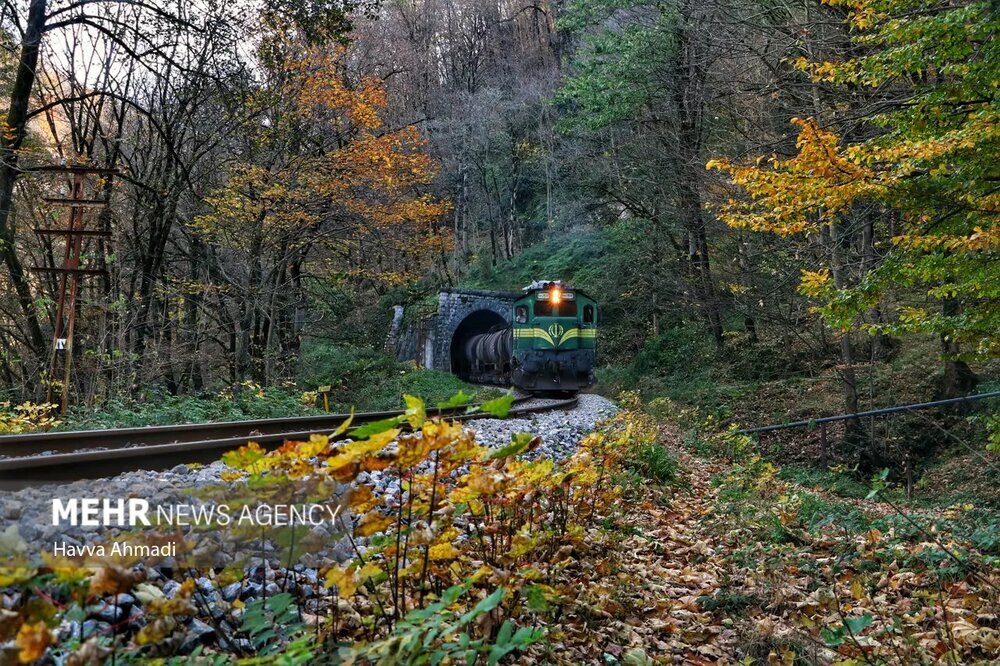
(265, 571)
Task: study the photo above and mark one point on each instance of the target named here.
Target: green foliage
(437, 634)
(319, 21)
(842, 483)
(498, 407)
(677, 364)
(654, 461)
(678, 352)
(520, 442)
(851, 628)
(992, 423)
(615, 73)
(242, 402)
(273, 626)
(371, 380)
(724, 600)
(578, 255)
(460, 398)
(376, 427)
(931, 161)
(765, 360)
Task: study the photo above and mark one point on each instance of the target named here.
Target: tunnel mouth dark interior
(480, 321)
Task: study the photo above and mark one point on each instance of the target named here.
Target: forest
(785, 210)
(799, 172)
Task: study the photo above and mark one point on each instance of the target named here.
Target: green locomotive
(551, 345)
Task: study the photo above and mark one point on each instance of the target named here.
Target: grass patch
(654, 462)
(816, 512)
(842, 484)
(371, 380)
(242, 403)
(725, 601)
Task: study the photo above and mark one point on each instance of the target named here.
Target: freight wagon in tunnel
(481, 348)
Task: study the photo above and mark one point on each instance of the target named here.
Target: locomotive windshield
(552, 309)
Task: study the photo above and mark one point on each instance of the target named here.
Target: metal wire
(875, 412)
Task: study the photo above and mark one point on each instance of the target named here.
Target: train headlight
(555, 295)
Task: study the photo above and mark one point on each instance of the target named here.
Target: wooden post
(822, 445)
(908, 466)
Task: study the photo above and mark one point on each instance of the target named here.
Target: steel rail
(33, 470)
(69, 441)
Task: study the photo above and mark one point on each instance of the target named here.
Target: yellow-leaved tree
(929, 166)
(326, 192)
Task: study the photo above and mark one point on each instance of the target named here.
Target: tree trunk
(959, 379)
(17, 118)
(880, 341)
(689, 98)
(848, 376)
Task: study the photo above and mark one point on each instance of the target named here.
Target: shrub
(241, 402)
(677, 352)
(26, 417)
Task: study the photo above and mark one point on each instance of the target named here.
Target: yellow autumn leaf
(354, 451)
(370, 570)
(316, 445)
(362, 499)
(13, 575)
(376, 463)
(413, 450)
(65, 570)
(416, 414)
(342, 428)
(345, 580)
(33, 640)
(115, 580)
(156, 631)
(373, 522)
(443, 552)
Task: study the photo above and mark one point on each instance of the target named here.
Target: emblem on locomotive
(556, 331)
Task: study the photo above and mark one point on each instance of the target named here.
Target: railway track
(62, 457)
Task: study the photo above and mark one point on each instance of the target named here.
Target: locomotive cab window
(521, 314)
(588, 314)
(550, 309)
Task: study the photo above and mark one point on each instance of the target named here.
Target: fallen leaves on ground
(689, 576)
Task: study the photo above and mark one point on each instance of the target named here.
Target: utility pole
(70, 273)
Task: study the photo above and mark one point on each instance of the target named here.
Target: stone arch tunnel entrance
(434, 339)
(480, 321)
